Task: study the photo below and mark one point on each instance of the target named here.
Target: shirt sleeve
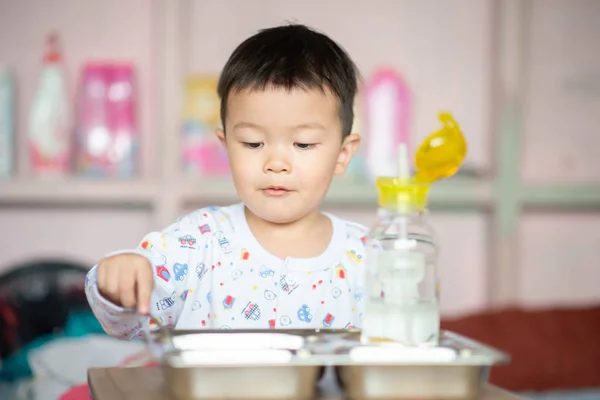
(169, 252)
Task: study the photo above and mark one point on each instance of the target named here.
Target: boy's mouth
(275, 191)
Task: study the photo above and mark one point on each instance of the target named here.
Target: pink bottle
(92, 132)
(388, 106)
(106, 132)
(122, 123)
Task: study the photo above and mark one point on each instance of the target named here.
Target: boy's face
(284, 149)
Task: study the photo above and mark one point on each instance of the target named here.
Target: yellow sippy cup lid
(402, 194)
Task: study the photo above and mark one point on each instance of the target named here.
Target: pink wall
(563, 93)
(445, 50)
(559, 259)
(81, 235)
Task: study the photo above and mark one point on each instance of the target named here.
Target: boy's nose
(277, 164)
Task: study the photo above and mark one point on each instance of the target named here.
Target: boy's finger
(144, 290)
(101, 277)
(127, 292)
(111, 285)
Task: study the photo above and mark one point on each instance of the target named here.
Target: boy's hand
(126, 280)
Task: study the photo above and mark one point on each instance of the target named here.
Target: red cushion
(549, 349)
(81, 392)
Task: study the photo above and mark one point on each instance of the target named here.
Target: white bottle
(50, 130)
(402, 299)
(6, 123)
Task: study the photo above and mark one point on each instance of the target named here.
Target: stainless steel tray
(286, 364)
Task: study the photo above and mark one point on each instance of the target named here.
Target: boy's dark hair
(291, 56)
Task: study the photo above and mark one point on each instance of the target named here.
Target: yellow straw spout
(441, 153)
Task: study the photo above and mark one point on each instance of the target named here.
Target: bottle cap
(404, 195)
(53, 54)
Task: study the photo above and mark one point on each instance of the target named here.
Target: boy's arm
(169, 261)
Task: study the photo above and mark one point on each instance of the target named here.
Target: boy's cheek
(241, 169)
(238, 161)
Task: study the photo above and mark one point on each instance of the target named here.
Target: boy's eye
(304, 146)
(252, 145)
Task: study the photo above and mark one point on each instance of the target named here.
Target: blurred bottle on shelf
(201, 152)
(7, 138)
(50, 129)
(387, 109)
(106, 125)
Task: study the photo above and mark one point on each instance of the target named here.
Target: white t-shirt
(211, 272)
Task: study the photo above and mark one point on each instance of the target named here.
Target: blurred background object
(518, 226)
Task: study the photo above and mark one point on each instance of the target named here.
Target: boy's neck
(305, 238)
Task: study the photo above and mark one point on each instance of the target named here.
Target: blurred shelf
(76, 191)
(202, 191)
(455, 192)
(561, 195)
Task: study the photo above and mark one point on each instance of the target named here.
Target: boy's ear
(221, 135)
(349, 148)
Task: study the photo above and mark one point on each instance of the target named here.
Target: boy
(274, 260)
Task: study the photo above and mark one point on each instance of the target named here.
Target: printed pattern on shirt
(207, 275)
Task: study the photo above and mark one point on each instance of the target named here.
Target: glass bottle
(402, 300)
